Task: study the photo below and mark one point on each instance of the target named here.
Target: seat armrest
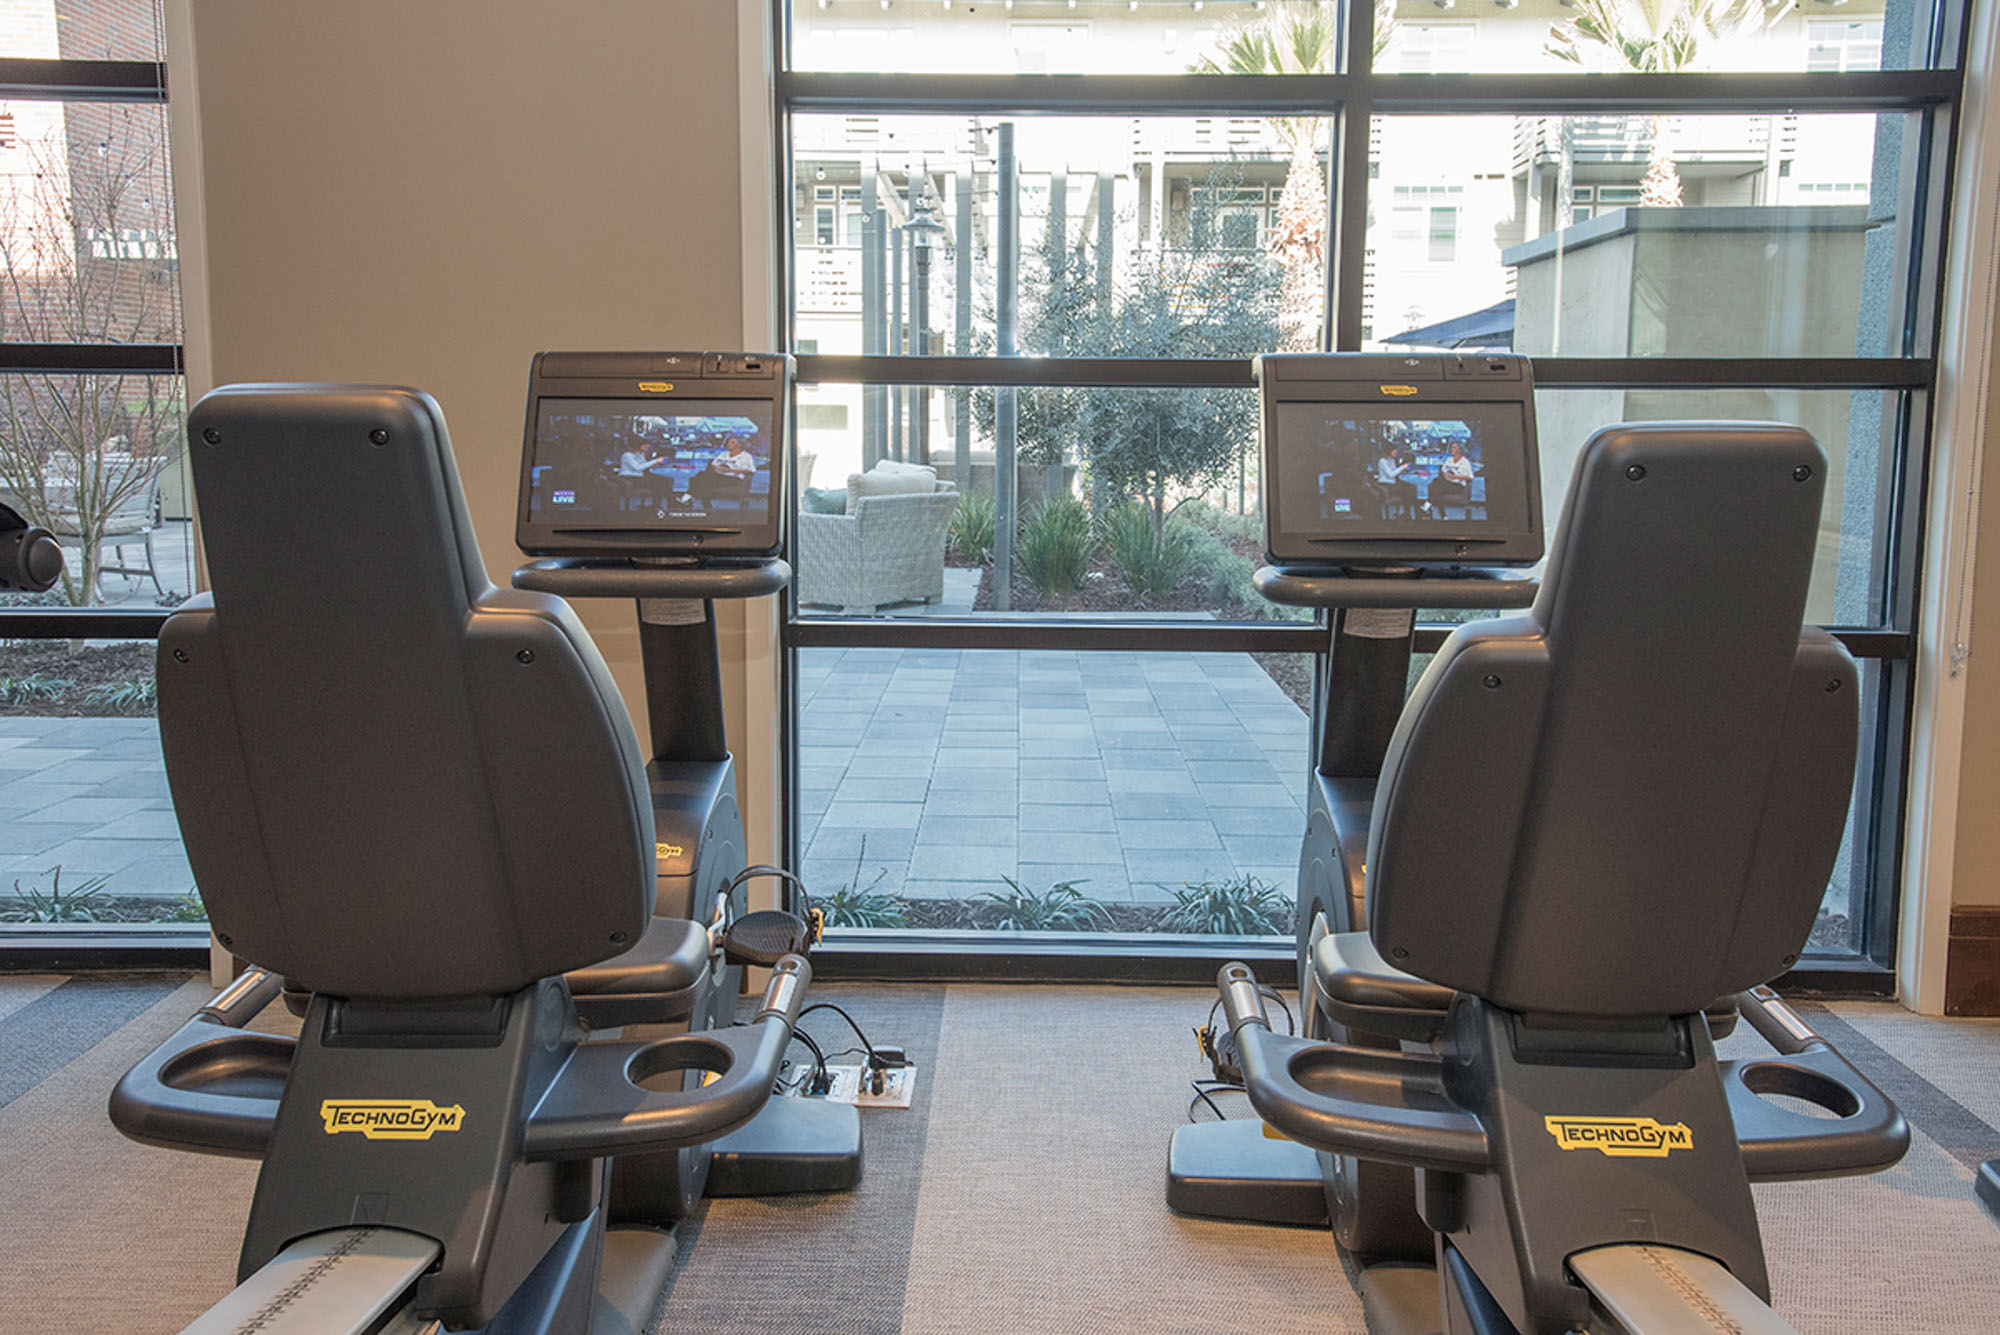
(1369, 995)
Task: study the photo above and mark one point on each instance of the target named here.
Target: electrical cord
(1203, 1092)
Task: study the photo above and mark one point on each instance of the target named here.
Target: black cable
(1291, 1024)
(1202, 1091)
(829, 1006)
(819, 1057)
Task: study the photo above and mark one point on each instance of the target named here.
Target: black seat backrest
(1627, 801)
(392, 778)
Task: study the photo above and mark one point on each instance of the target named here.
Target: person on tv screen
(638, 459)
(1454, 480)
(1391, 463)
(728, 474)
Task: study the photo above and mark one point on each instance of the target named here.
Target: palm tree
(1296, 37)
(1656, 37)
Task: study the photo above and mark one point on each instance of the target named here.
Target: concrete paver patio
(942, 771)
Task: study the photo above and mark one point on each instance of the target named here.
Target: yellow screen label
(390, 1119)
(1399, 391)
(1621, 1137)
(656, 386)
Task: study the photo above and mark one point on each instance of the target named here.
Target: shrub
(55, 905)
(22, 690)
(1224, 523)
(1224, 572)
(1152, 564)
(853, 906)
(1245, 907)
(1056, 545)
(136, 696)
(1060, 908)
(972, 527)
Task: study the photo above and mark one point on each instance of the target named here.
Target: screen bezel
(1464, 543)
(717, 534)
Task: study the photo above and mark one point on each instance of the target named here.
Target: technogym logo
(1620, 1137)
(390, 1119)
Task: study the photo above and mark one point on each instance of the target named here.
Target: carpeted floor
(1022, 1192)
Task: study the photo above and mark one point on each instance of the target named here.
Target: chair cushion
(899, 480)
(654, 982)
(824, 501)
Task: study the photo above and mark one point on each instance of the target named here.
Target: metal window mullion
(1888, 373)
(91, 359)
(23, 79)
(1060, 94)
(1685, 94)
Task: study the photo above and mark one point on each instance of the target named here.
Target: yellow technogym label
(1620, 1137)
(1399, 391)
(656, 386)
(667, 850)
(390, 1119)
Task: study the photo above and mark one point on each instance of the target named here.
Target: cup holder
(251, 1066)
(662, 1067)
(1798, 1090)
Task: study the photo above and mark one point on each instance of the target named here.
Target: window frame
(1350, 100)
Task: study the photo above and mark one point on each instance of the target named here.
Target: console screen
(1380, 471)
(626, 464)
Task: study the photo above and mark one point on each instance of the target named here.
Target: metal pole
(898, 325)
(1106, 217)
(1052, 475)
(1005, 482)
(871, 315)
(961, 445)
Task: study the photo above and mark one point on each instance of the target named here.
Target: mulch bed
(82, 668)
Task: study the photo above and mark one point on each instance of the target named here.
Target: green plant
(1152, 561)
(1224, 572)
(1057, 542)
(1225, 524)
(1060, 908)
(54, 904)
(37, 686)
(972, 527)
(134, 696)
(850, 906)
(1243, 907)
(185, 908)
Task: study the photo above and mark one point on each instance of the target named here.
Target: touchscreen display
(628, 464)
(1359, 471)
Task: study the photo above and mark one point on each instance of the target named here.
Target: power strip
(846, 1088)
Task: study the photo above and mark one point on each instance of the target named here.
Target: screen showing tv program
(651, 464)
(1369, 471)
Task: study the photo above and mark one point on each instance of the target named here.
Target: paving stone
(907, 789)
(976, 757)
(1179, 807)
(1148, 835)
(872, 815)
(21, 837)
(1262, 849)
(1179, 867)
(1267, 795)
(1075, 846)
(93, 857)
(998, 800)
(964, 862)
(1174, 780)
(871, 845)
(1281, 819)
(1066, 745)
(1104, 881)
(1037, 769)
(995, 831)
(1038, 818)
(1069, 792)
(1149, 758)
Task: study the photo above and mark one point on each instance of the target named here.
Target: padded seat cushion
(652, 983)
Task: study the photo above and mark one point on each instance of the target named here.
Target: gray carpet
(1021, 1193)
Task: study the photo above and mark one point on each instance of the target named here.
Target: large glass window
(92, 412)
(1031, 283)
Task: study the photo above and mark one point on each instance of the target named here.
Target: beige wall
(428, 194)
(1976, 856)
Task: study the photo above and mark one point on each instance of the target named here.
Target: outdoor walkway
(88, 795)
(943, 771)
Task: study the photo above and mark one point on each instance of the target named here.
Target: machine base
(1987, 1185)
(794, 1145)
(1232, 1170)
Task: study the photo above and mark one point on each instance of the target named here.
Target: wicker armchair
(890, 550)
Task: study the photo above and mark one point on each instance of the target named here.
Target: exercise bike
(418, 800)
(1635, 829)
